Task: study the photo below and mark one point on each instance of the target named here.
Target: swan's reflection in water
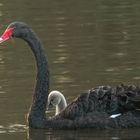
(36, 134)
(80, 134)
(89, 134)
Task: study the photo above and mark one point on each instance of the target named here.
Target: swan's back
(120, 99)
(93, 108)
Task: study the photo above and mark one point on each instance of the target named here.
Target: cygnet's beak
(50, 105)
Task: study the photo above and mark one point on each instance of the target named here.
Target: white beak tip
(1, 40)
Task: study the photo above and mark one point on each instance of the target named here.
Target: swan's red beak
(6, 35)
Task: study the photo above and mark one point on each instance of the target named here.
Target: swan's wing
(97, 99)
(129, 97)
(75, 108)
(111, 100)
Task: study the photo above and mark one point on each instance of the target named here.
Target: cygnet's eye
(52, 100)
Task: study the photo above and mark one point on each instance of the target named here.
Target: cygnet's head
(54, 98)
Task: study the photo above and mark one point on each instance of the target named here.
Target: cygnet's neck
(61, 105)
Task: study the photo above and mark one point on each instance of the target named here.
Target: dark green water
(88, 43)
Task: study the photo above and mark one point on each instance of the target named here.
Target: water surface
(88, 43)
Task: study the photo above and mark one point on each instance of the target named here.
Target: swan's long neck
(36, 116)
(61, 105)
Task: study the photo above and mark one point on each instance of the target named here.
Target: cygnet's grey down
(57, 99)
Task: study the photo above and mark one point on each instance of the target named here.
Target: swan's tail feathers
(129, 97)
(136, 102)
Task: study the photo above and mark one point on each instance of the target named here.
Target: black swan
(91, 109)
(56, 99)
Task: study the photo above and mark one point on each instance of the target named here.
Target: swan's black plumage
(120, 99)
(92, 109)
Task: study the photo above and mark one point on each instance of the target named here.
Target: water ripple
(1, 4)
(13, 128)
